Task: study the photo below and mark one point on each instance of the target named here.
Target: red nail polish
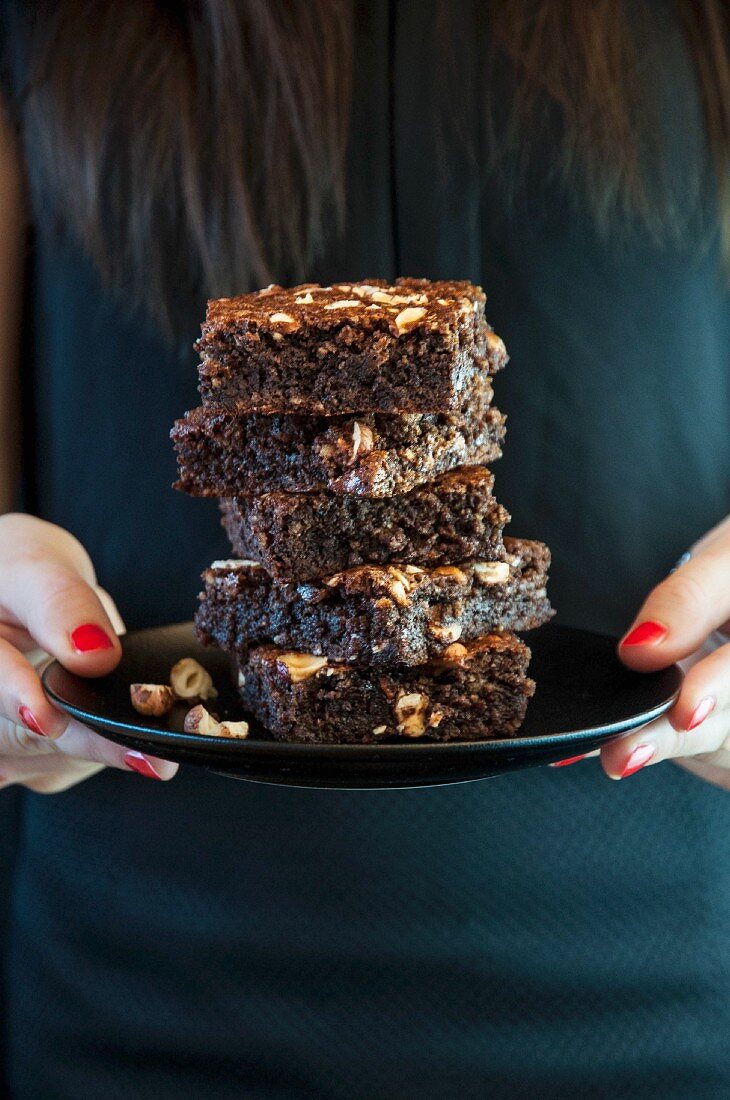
(569, 760)
(139, 763)
(703, 709)
(89, 637)
(29, 720)
(648, 633)
(641, 755)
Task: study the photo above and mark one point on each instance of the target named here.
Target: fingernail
(29, 720)
(569, 760)
(88, 637)
(139, 763)
(704, 708)
(648, 633)
(641, 755)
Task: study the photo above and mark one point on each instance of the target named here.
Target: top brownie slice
(415, 346)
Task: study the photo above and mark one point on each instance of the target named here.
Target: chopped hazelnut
(408, 318)
(377, 730)
(233, 729)
(492, 572)
(455, 652)
(344, 304)
(190, 680)
(362, 440)
(151, 699)
(451, 571)
(410, 712)
(301, 666)
(198, 720)
(398, 592)
(445, 633)
(283, 319)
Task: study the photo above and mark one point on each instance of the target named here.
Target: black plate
(584, 697)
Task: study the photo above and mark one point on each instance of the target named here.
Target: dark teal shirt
(544, 934)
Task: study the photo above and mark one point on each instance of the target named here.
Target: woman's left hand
(674, 623)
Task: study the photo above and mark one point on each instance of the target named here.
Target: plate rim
(257, 746)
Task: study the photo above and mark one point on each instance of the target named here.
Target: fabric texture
(544, 934)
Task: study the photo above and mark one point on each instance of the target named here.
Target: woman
(547, 934)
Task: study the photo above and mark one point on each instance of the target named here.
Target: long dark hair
(206, 139)
(201, 142)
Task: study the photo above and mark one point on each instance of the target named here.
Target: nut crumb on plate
(151, 699)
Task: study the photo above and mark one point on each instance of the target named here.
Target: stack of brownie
(345, 431)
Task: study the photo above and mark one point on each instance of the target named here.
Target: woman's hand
(676, 622)
(49, 600)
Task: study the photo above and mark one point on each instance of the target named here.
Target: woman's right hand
(49, 600)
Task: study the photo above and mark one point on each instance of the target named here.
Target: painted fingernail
(648, 633)
(703, 709)
(641, 755)
(88, 637)
(29, 720)
(569, 760)
(139, 763)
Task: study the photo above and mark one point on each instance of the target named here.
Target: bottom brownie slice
(473, 692)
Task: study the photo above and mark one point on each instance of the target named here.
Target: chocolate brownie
(299, 537)
(416, 346)
(376, 614)
(474, 692)
(223, 453)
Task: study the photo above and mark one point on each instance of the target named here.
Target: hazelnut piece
(301, 666)
(408, 318)
(410, 713)
(198, 720)
(452, 571)
(151, 699)
(362, 440)
(233, 729)
(190, 680)
(445, 633)
(492, 572)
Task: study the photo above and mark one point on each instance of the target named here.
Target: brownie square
(373, 614)
(415, 346)
(299, 537)
(473, 692)
(226, 453)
